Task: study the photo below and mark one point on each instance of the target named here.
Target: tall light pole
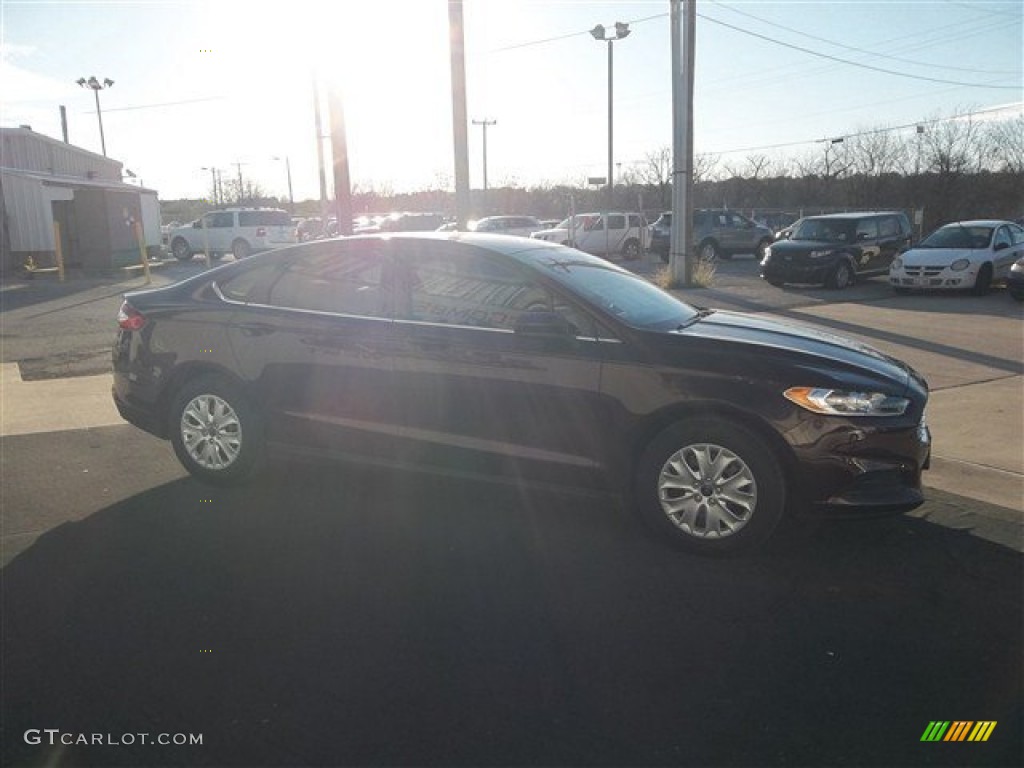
(288, 170)
(484, 123)
(213, 178)
(96, 87)
(601, 34)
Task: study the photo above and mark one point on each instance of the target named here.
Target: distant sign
(597, 180)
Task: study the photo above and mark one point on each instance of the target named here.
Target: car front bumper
(779, 270)
(933, 278)
(868, 472)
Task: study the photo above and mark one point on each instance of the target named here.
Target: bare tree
(704, 166)
(1006, 140)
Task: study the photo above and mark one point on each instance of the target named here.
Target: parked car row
(836, 249)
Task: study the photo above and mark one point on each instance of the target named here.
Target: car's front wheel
(216, 433)
(710, 486)
(983, 282)
(631, 250)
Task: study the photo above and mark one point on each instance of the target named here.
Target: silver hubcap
(707, 491)
(211, 432)
(708, 252)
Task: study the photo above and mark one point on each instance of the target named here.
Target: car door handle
(256, 329)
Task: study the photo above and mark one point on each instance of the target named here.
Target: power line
(862, 50)
(854, 63)
(874, 131)
(164, 104)
(777, 42)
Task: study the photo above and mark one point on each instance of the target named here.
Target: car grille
(923, 271)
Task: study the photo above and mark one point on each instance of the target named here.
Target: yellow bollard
(142, 251)
(58, 248)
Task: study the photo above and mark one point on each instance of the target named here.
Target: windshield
(579, 221)
(957, 236)
(633, 300)
(825, 230)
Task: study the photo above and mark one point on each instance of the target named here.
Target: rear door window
(264, 219)
(338, 278)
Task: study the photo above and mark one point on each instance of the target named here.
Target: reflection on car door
(478, 396)
(318, 338)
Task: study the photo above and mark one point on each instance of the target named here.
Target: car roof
(978, 223)
(854, 215)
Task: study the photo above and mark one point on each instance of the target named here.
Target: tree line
(949, 169)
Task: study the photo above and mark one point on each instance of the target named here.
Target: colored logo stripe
(958, 730)
(982, 731)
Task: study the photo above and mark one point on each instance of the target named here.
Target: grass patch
(703, 276)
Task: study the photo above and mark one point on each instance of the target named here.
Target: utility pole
(320, 152)
(241, 189)
(483, 124)
(460, 126)
(339, 152)
(683, 22)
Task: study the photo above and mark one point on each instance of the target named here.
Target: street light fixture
(601, 34)
(96, 87)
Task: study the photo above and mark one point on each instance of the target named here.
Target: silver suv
(239, 231)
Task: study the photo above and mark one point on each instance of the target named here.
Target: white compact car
(964, 255)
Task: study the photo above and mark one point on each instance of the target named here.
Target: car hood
(919, 257)
(804, 340)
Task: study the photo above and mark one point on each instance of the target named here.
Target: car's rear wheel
(216, 433)
(840, 277)
(983, 281)
(631, 250)
(240, 248)
(709, 250)
(181, 249)
(710, 486)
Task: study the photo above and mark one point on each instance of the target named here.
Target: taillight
(129, 318)
(261, 231)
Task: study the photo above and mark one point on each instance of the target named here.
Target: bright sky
(217, 82)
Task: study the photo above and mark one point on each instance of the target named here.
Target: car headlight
(818, 254)
(960, 265)
(836, 402)
(767, 253)
(1018, 266)
(897, 264)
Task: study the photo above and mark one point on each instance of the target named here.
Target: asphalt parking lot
(327, 616)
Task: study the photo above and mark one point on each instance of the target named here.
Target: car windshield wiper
(701, 314)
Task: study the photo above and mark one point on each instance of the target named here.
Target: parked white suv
(601, 234)
(239, 231)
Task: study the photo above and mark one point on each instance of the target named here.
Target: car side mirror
(541, 323)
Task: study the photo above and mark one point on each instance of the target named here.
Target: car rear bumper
(137, 413)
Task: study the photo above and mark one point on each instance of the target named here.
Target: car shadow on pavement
(375, 618)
